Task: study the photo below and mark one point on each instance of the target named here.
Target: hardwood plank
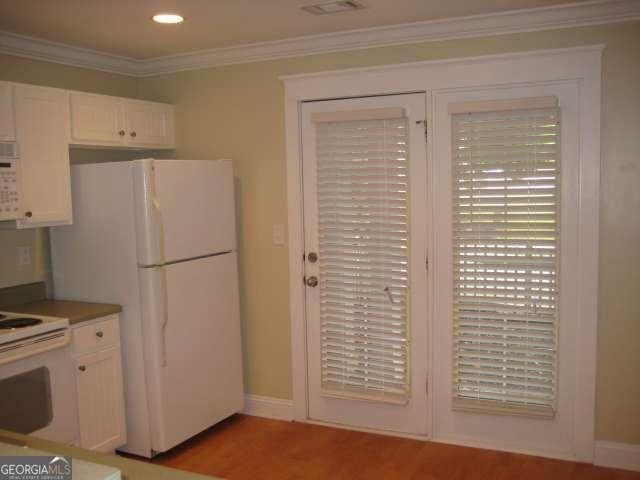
(245, 447)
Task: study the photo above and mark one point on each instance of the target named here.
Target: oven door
(38, 395)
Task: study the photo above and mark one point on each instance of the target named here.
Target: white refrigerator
(158, 237)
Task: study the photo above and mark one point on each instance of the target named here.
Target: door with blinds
(364, 172)
(506, 202)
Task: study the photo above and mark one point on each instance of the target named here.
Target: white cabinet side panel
(95, 260)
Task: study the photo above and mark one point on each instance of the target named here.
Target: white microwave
(10, 201)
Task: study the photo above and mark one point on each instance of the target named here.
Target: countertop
(130, 469)
(76, 312)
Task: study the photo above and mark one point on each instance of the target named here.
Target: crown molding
(38, 49)
(545, 18)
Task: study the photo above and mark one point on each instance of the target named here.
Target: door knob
(312, 257)
(312, 281)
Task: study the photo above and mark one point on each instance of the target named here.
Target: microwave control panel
(9, 182)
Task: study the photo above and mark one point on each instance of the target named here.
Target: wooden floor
(244, 447)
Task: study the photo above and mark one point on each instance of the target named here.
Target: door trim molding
(582, 63)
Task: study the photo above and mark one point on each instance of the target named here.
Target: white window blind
(505, 252)
(362, 182)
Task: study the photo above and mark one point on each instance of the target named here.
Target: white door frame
(580, 63)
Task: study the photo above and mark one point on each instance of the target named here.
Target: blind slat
(362, 188)
(505, 252)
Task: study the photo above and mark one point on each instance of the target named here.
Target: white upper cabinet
(7, 122)
(97, 120)
(101, 120)
(44, 122)
(42, 128)
(149, 124)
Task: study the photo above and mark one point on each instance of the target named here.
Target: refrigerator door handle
(165, 318)
(160, 227)
(150, 229)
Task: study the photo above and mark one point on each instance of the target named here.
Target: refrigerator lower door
(191, 324)
(184, 208)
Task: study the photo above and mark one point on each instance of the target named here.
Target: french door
(505, 302)
(365, 199)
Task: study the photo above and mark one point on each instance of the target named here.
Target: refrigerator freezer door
(193, 346)
(185, 209)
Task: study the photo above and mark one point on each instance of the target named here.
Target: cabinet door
(97, 120)
(149, 124)
(42, 127)
(7, 122)
(100, 400)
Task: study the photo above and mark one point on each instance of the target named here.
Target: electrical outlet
(278, 234)
(24, 256)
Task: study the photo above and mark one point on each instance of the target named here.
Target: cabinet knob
(121, 133)
(99, 334)
(82, 368)
(133, 134)
(28, 214)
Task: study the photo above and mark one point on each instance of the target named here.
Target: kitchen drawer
(96, 336)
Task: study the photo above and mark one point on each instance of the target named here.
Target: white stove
(36, 367)
(17, 326)
(26, 335)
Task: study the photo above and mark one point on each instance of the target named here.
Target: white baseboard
(268, 407)
(532, 450)
(618, 455)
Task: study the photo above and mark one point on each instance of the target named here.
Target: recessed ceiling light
(167, 18)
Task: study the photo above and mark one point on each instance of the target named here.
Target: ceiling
(123, 27)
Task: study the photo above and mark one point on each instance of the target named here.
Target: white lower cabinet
(98, 364)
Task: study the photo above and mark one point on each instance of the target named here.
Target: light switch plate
(24, 256)
(278, 234)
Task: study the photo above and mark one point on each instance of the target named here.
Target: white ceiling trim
(562, 16)
(38, 49)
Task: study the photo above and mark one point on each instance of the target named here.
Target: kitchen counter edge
(130, 469)
(75, 311)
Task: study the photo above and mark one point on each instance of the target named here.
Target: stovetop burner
(20, 322)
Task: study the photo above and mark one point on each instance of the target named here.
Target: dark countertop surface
(76, 312)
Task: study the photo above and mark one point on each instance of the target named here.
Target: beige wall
(237, 112)
(17, 69)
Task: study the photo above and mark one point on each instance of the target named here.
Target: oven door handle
(35, 345)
